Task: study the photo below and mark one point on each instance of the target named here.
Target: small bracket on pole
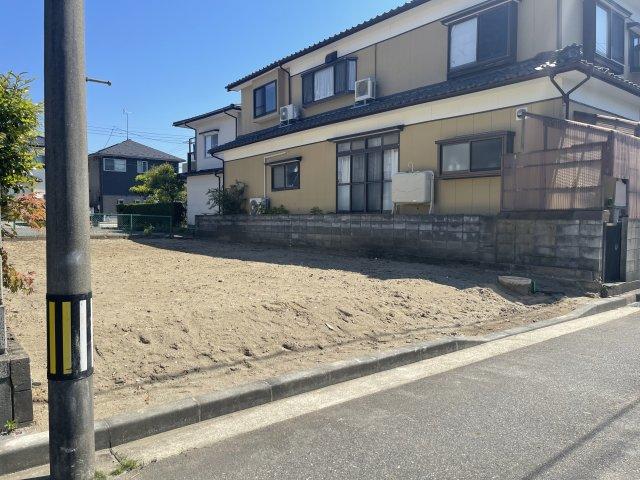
(96, 80)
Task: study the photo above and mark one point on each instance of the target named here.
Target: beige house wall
(411, 60)
(418, 150)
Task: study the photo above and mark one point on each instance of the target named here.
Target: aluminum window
(635, 52)
(285, 176)
(610, 33)
(210, 141)
(473, 156)
(365, 167)
(115, 165)
(265, 99)
(142, 166)
(329, 81)
(484, 39)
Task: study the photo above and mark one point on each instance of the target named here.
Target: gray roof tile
(131, 149)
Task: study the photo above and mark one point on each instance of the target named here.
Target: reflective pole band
(69, 336)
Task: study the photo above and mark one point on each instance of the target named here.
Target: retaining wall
(561, 247)
(16, 400)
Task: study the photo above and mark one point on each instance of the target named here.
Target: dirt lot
(180, 317)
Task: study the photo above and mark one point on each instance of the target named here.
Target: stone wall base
(16, 401)
(561, 247)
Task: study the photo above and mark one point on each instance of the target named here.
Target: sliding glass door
(365, 167)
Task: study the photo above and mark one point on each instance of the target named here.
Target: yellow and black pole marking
(69, 336)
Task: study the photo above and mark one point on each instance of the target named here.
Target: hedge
(176, 211)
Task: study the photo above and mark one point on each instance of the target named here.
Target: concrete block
(22, 406)
(299, 382)
(228, 401)
(3, 331)
(519, 285)
(6, 405)
(20, 372)
(592, 229)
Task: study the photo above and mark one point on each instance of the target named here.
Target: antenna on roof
(125, 112)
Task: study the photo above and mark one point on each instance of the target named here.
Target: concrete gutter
(21, 452)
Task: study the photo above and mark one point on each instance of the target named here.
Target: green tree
(161, 184)
(18, 131)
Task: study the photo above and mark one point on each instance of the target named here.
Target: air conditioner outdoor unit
(257, 205)
(365, 90)
(288, 113)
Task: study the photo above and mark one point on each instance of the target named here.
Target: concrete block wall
(555, 247)
(631, 254)
(16, 399)
(563, 248)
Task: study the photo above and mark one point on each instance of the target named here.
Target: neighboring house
(112, 172)
(40, 187)
(204, 170)
(447, 78)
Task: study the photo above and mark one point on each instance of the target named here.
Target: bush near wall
(176, 211)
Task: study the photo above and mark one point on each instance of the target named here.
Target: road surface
(562, 408)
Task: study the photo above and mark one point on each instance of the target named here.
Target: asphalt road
(566, 408)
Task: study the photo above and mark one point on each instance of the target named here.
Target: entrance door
(612, 252)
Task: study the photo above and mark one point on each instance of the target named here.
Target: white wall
(227, 133)
(197, 187)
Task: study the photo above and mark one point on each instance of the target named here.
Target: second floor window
(142, 166)
(210, 141)
(115, 165)
(610, 34)
(635, 52)
(487, 37)
(265, 99)
(329, 81)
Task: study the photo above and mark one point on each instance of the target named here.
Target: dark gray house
(112, 172)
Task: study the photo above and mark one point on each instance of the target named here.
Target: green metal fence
(131, 224)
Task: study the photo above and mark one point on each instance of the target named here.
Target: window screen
(617, 37)
(486, 154)
(493, 33)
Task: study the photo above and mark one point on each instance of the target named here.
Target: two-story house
(205, 169)
(439, 85)
(113, 170)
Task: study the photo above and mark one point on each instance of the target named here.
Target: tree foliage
(227, 200)
(18, 132)
(161, 184)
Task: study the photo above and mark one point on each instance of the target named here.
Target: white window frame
(206, 138)
(142, 166)
(116, 161)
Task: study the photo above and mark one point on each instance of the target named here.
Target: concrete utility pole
(69, 312)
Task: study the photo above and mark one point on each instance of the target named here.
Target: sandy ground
(180, 317)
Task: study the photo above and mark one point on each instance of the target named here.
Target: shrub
(316, 211)
(228, 200)
(281, 210)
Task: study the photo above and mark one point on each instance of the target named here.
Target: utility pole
(69, 310)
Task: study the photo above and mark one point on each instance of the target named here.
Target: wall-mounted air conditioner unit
(288, 113)
(365, 90)
(258, 205)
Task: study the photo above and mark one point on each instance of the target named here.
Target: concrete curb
(19, 453)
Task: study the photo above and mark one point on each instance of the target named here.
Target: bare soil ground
(181, 317)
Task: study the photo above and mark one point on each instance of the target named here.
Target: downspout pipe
(195, 146)
(288, 72)
(566, 96)
(236, 119)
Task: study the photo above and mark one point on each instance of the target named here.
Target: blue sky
(170, 59)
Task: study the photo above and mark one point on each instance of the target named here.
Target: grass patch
(99, 475)
(126, 465)
(9, 426)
